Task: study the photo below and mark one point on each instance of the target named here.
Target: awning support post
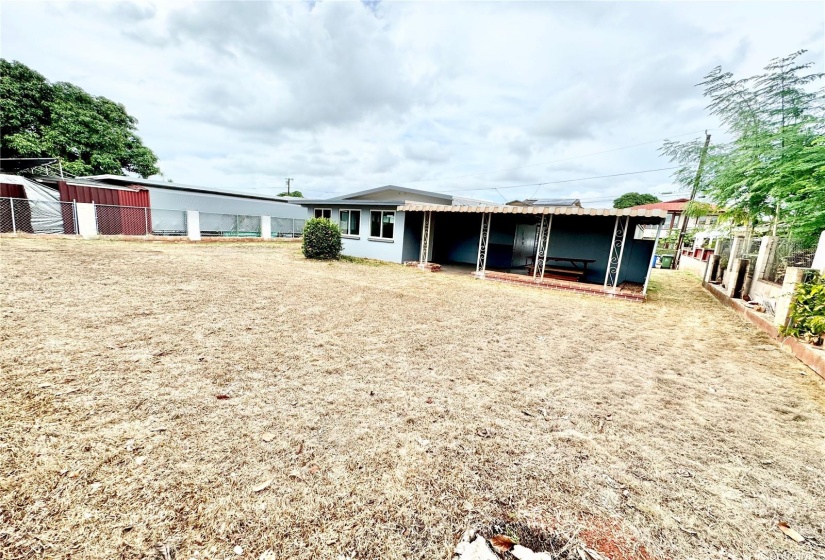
(13, 224)
(652, 258)
(541, 247)
(483, 242)
(614, 263)
(426, 230)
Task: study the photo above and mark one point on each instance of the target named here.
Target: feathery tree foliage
(91, 135)
(773, 169)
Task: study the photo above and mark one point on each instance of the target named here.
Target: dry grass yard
(181, 400)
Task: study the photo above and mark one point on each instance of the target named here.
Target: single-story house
(675, 210)
(556, 246)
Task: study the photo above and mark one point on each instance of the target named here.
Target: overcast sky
(345, 96)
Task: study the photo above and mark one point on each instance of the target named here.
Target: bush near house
(807, 317)
(322, 239)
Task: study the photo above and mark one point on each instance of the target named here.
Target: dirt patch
(378, 411)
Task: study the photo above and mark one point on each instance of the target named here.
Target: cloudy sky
(474, 98)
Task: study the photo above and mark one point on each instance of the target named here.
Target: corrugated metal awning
(561, 210)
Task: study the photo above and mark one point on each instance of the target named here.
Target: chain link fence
(287, 227)
(229, 225)
(724, 254)
(749, 249)
(787, 253)
(168, 222)
(122, 220)
(21, 215)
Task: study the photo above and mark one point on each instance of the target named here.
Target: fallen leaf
(267, 437)
(221, 396)
(468, 505)
(139, 460)
(300, 448)
(502, 543)
(785, 528)
(527, 413)
(262, 486)
(314, 469)
(429, 400)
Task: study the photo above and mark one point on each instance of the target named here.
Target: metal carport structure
(603, 232)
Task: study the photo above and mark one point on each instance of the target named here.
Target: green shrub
(322, 239)
(807, 317)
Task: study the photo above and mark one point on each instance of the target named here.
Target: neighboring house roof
(124, 180)
(677, 205)
(546, 202)
(391, 195)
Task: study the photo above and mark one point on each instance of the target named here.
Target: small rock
(238, 550)
(476, 550)
(267, 437)
(140, 460)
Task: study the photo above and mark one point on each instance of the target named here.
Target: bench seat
(559, 273)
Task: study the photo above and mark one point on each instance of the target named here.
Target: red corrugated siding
(12, 190)
(102, 195)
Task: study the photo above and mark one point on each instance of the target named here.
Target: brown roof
(677, 205)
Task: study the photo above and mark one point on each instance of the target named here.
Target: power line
(564, 180)
(552, 162)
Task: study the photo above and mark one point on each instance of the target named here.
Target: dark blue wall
(455, 239)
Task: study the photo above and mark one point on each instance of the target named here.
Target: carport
(579, 249)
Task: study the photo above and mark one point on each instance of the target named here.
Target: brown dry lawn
(404, 407)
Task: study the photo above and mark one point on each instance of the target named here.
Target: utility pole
(288, 183)
(693, 190)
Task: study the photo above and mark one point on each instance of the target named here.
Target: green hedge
(807, 317)
(322, 239)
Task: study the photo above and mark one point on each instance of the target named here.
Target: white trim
(381, 239)
(350, 235)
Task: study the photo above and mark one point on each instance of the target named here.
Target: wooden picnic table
(578, 270)
(573, 261)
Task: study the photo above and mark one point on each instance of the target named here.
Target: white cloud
(345, 96)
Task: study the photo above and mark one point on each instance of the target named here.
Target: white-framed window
(350, 221)
(323, 213)
(382, 224)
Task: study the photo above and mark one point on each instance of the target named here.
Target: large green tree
(634, 199)
(90, 134)
(772, 172)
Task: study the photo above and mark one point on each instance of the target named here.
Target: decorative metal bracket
(425, 238)
(614, 263)
(483, 242)
(542, 244)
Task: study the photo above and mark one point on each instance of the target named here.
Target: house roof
(546, 202)
(124, 180)
(563, 210)
(396, 188)
(52, 180)
(352, 198)
(677, 205)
